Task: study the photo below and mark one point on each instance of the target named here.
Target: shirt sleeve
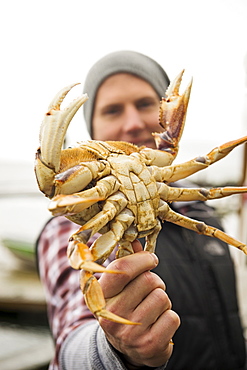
(66, 307)
(87, 348)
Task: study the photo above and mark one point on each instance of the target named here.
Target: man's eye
(111, 110)
(147, 103)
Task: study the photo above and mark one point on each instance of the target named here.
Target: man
(124, 91)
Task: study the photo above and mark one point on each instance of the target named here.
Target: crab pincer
(172, 116)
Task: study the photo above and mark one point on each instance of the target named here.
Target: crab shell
(121, 190)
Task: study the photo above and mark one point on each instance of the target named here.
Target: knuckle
(155, 280)
(171, 320)
(125, 272)
(121, 264)
(149, 346)
(162, 299)
(175, 318)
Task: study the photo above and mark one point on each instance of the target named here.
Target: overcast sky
(48, 44)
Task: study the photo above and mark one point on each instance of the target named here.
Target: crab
(120, 190)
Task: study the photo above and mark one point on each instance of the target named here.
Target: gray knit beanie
(122, 62)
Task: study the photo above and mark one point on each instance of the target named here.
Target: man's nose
(133, 120)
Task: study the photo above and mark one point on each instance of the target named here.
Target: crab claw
(54, 127)
(172, 116)
(95, 299)
(52, 133)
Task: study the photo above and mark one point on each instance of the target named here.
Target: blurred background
(50, 44)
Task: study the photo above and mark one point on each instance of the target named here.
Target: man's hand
(139, 295)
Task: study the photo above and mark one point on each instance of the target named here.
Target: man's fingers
(167, 324)
(132, 266)
(152, 307)
(143, 299)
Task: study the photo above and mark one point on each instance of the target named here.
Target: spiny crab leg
(95, 299)
(167, 214)
(80, 258)
(172, 194)
(54, 127)
(172, 116)
(70, 204)
(182, 170)
(112, 211)
(77, 202)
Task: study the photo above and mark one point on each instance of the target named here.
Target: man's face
(126, 109)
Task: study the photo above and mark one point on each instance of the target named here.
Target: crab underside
(120, 190)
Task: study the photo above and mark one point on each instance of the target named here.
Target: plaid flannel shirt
(65, 303)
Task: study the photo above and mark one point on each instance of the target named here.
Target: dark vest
(200, 280)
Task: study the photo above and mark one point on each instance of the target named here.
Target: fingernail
(156, 260)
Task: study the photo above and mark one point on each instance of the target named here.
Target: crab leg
(104, 245)
(113, 205)
(125, 244)
(95, 299)
(79, 255)
(80, 258)
(77, 202)
(166, 213)
(171, 194)
(181, 171)
(151, 239)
